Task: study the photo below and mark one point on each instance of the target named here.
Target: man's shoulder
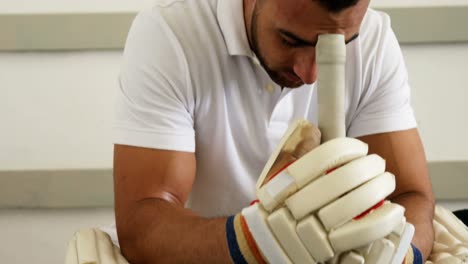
(374, 25)
(191, 26)
(180, 15)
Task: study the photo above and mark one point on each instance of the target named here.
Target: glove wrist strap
(242, 246)
(413, 256)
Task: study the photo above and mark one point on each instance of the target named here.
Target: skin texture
(404, 155)
(150, 189)
(151, 186)
(288, 62)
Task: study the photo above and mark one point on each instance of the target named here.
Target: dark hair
(336, 6)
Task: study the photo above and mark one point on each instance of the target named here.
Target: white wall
(417, 3)
(71, 6)
(88, 6)
(439, 92)
(56, 108)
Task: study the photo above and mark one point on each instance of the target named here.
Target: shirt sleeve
(154, 105)
(385, 105)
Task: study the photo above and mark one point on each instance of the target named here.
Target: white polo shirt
(190, 82)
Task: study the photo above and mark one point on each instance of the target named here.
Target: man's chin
(287, 83)
(284, 81)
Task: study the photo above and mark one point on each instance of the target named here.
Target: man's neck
(248, 6)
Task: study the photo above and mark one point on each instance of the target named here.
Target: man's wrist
(413, 256)
(242, 246)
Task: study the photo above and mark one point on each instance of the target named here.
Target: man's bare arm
(151, 188)
(404, 155)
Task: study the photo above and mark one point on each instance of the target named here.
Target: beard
(278, 76)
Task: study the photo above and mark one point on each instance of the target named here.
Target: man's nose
(306, 68)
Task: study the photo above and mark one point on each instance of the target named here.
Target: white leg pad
(448, 240)
(86, 246)
(381, 252)
(312, 165)
(71, 257)
(106, 249)
(357, 233)
(256, 219)
(357, 201)
(453, 225)
(92, 245)
(283, 225)
(330, 187)
(315, 238)
(402, 243)
(352, 258)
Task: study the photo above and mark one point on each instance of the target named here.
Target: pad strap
(242, 246)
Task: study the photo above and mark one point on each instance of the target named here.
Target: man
(206, 91)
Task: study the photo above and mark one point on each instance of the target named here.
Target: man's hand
(313, 210)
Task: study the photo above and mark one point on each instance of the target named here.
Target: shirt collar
(230, 15)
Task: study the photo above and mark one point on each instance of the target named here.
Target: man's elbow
(129, 245)
(422, 198)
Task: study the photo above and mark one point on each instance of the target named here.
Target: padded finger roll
(316, 163)
(357, 201)
(364, 250)
(402, 243)
(256, 219)
(331, 186)
(375, 225)
(398, 230)
(329, 155)
(283, 225)
(315, 238)
(335, 259)
(352, 258)
(381, 252)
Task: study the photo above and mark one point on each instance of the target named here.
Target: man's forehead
(309, 17)
(313, 12)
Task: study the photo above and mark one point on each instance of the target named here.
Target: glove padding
(451, 239)
(307, 213)
(93, 246)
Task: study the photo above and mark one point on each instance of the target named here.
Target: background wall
(59, 63)
(56, 107)
(73, 6)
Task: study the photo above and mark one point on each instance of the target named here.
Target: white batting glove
(306, 213)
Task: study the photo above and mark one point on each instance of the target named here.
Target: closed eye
(289, 43)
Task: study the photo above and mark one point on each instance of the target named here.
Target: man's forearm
(160, 232)
(419, 212)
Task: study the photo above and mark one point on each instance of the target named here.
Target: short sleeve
(154, 105)
(385, 106)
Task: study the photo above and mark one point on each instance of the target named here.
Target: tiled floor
(41, 236)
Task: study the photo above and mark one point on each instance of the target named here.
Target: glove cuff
(242, 246)
(413, 256)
